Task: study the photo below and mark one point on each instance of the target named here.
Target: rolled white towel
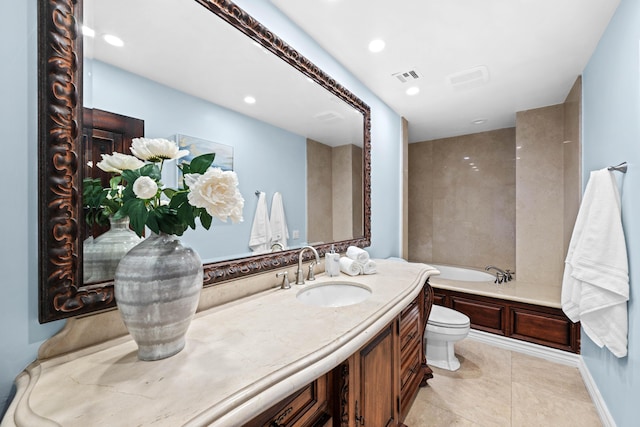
(350, 267)
(369, 267)
(358, 254)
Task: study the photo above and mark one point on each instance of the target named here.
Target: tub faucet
(299, 272)
(501, 275)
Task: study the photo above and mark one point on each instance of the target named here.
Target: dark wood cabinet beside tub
(537, 324)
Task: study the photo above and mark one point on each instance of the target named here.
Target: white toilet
(444, 328)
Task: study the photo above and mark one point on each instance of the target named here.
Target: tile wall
(507, 197)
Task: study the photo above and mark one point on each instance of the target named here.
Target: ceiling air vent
(468, 79)
(328, 116)
(407, 76)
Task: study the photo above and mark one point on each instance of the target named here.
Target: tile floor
(497, 387)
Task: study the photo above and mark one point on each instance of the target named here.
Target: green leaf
(179, 198)
(201, 163)
(152, 222)
(130, 176)
(115, 181)
(186, 215)
(169, 192)
(138, 214)
(205, 219)
(151, 170)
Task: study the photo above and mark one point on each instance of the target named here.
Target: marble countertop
(240, 359)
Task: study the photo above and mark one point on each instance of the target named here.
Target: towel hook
(258, 193)
(622, 167)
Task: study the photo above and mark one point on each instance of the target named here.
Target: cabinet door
(306, 408)
(376, 379)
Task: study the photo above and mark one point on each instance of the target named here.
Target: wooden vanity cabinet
(308, 407)
(374, 378)
(375, 387)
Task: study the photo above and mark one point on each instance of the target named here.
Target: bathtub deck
(529, 293)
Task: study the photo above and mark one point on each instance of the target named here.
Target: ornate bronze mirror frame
(61, 291)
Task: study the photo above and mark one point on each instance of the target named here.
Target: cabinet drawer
(409, 364)
(409, 327)
(300, 409)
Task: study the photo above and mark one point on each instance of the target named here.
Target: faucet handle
(311, 275)
(285, 279)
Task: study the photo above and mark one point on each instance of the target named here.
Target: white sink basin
(334, 294)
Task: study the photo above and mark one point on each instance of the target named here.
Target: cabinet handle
(277, 422)
(414, 368)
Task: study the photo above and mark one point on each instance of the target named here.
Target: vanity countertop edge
(240, 359)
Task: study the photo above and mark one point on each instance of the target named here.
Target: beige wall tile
(540, 195)
(473, 210)
(571, 157)
(420, 202)
(319, 183)
(515, 214)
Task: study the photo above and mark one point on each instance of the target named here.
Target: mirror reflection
(179, 72)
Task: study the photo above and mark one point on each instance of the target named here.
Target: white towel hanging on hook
(595, 286)
(260, 239)
(278, 221)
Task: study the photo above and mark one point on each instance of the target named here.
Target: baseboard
(536, 350)
(553, 355)
(601, 407)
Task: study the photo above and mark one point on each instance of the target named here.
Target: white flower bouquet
(136, 191)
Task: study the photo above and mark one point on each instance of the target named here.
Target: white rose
(118, 162)
(217, 192)
(145, 188)
(155, 150)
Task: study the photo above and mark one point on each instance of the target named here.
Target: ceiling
(475, 59)
(191, 59)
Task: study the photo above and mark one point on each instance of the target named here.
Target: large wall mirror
(183, 73)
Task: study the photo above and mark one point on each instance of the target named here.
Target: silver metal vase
(157, 288)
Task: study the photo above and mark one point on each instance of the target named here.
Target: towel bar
(622, 167)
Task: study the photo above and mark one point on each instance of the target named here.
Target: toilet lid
(443, 316)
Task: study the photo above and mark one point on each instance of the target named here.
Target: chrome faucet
(299, 272)
(501, 275)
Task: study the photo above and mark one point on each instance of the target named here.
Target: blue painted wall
(611, 134)
(21, 334)
(262, 153)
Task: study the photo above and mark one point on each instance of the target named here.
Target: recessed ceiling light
(249, 100)
(113, 40)
(518, 147)
(376, 45)
(478, 121)
(413, 90)
(466, 158)
(87, 31)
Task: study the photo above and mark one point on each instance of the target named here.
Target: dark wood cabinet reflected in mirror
(61, 160)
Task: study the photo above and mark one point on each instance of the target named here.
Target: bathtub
(496, 308)
(464, 274)
(479, 282)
